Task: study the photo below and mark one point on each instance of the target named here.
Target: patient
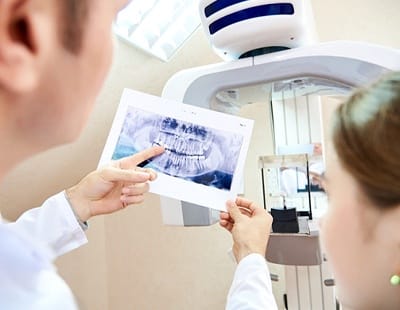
(360, 232)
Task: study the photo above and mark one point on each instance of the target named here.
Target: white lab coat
(28, 278)
(251, 288)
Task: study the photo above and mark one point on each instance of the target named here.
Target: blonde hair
(366, 137)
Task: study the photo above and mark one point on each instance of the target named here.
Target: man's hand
(113, 187)
(249, 225)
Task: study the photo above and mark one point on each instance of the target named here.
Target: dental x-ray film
(204, 153)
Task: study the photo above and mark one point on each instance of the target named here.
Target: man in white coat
(54, 56)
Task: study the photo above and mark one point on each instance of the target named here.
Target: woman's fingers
(226, 224)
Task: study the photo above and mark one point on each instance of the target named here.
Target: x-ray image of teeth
(193, 152)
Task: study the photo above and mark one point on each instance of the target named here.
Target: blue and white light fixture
(159, 27)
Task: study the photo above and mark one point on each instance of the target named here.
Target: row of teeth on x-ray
(183, 146)
(182, 166)
(187, 148)
(172, 126)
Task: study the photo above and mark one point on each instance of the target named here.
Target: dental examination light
(272, 44)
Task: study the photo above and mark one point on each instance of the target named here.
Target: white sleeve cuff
(251, 287)
(53, 224)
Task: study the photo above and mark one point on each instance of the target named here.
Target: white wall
(132, 261)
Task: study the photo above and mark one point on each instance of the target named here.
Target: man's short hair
(73, 17)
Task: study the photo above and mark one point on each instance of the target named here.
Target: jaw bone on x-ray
(204, 153)
(192, 152)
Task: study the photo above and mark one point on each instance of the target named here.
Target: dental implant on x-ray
(193, 152)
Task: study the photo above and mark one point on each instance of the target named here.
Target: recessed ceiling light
(159, 27)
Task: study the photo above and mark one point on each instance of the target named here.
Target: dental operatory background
(133, 261)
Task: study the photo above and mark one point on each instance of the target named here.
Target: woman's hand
(249, 225)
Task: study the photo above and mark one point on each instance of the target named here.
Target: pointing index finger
(134, 160)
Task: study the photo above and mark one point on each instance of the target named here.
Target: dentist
(54, 56)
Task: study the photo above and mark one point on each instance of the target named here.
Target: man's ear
(24, 40)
